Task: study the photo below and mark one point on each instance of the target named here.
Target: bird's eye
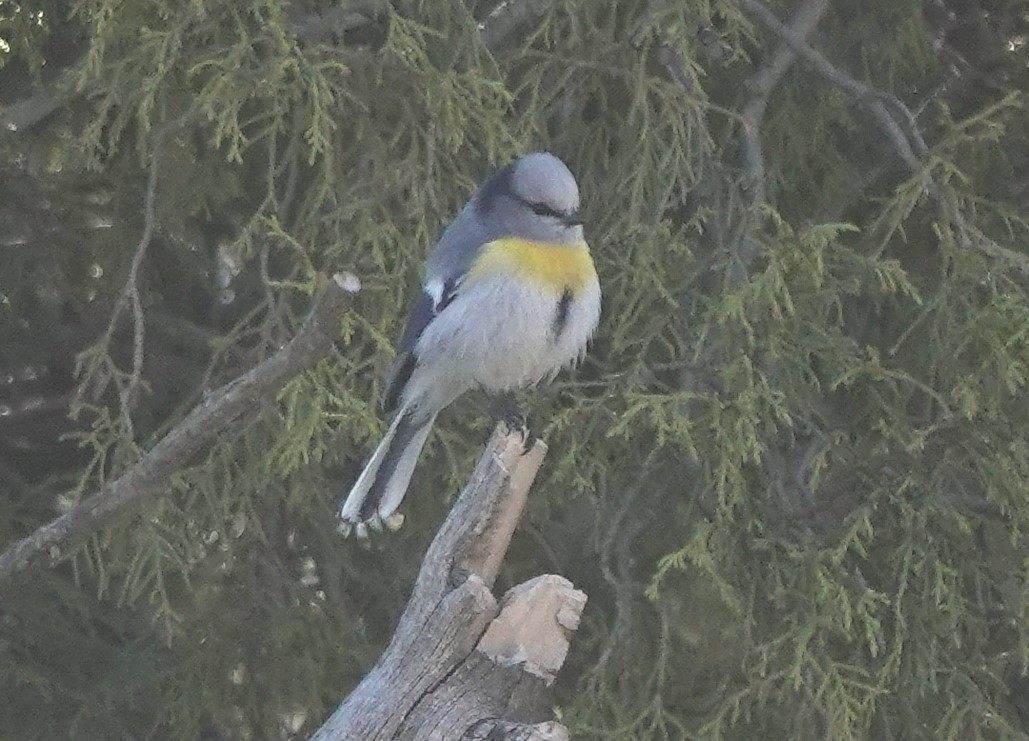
(542, 209)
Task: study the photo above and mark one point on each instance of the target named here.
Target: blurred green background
(791, 475)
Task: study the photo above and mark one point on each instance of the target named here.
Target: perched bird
(510, 297)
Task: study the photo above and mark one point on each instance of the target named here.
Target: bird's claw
(364, 529)
(522, 429)
(508, 411)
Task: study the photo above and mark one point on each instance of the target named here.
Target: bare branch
(764, 81)
(128, 391)
(877, 102)
(149, 478)
(507, 675)
(901, 128)
(454, 557)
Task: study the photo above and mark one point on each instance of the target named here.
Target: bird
(510, 296)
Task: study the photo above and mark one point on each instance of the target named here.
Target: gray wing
(444, 270)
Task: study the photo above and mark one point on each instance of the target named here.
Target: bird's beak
(572, 219)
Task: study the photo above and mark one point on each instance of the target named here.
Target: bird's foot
(506, 409)
(364, 529)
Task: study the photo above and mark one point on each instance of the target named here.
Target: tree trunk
(459, 665)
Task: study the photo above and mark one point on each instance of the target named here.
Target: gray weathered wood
(458, 664)
(491, 730)
(509, 673)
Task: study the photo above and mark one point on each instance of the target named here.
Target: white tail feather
(396, 479)
(400, 477)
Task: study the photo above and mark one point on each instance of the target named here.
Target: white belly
(500, 334)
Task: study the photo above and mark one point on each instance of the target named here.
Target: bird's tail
(382, 484)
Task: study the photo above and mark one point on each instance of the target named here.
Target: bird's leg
(506, 409)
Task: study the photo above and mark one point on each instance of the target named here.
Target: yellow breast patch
(559, 266)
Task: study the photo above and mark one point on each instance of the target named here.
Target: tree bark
(459, 666)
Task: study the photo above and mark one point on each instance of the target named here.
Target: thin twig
(132, 282)
(128, 383)
(615, 537)
(761, 85)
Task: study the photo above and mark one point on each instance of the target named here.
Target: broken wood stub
(458, 665)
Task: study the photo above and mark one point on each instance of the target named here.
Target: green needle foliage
(791, 475)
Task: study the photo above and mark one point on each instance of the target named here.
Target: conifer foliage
(791, 475)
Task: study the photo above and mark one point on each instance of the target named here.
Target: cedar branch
(148, 479)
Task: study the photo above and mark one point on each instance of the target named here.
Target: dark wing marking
(499, 184)
(406, 430)
(561, 313)
(403, 366)
(424, 310)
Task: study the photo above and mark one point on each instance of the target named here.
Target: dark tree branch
(101, 367)
(148, 479)
(761, 85)
(903, 134)
(29, 111)
(344, 17)
(764, 81)
(456, 660)
(901, 128)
